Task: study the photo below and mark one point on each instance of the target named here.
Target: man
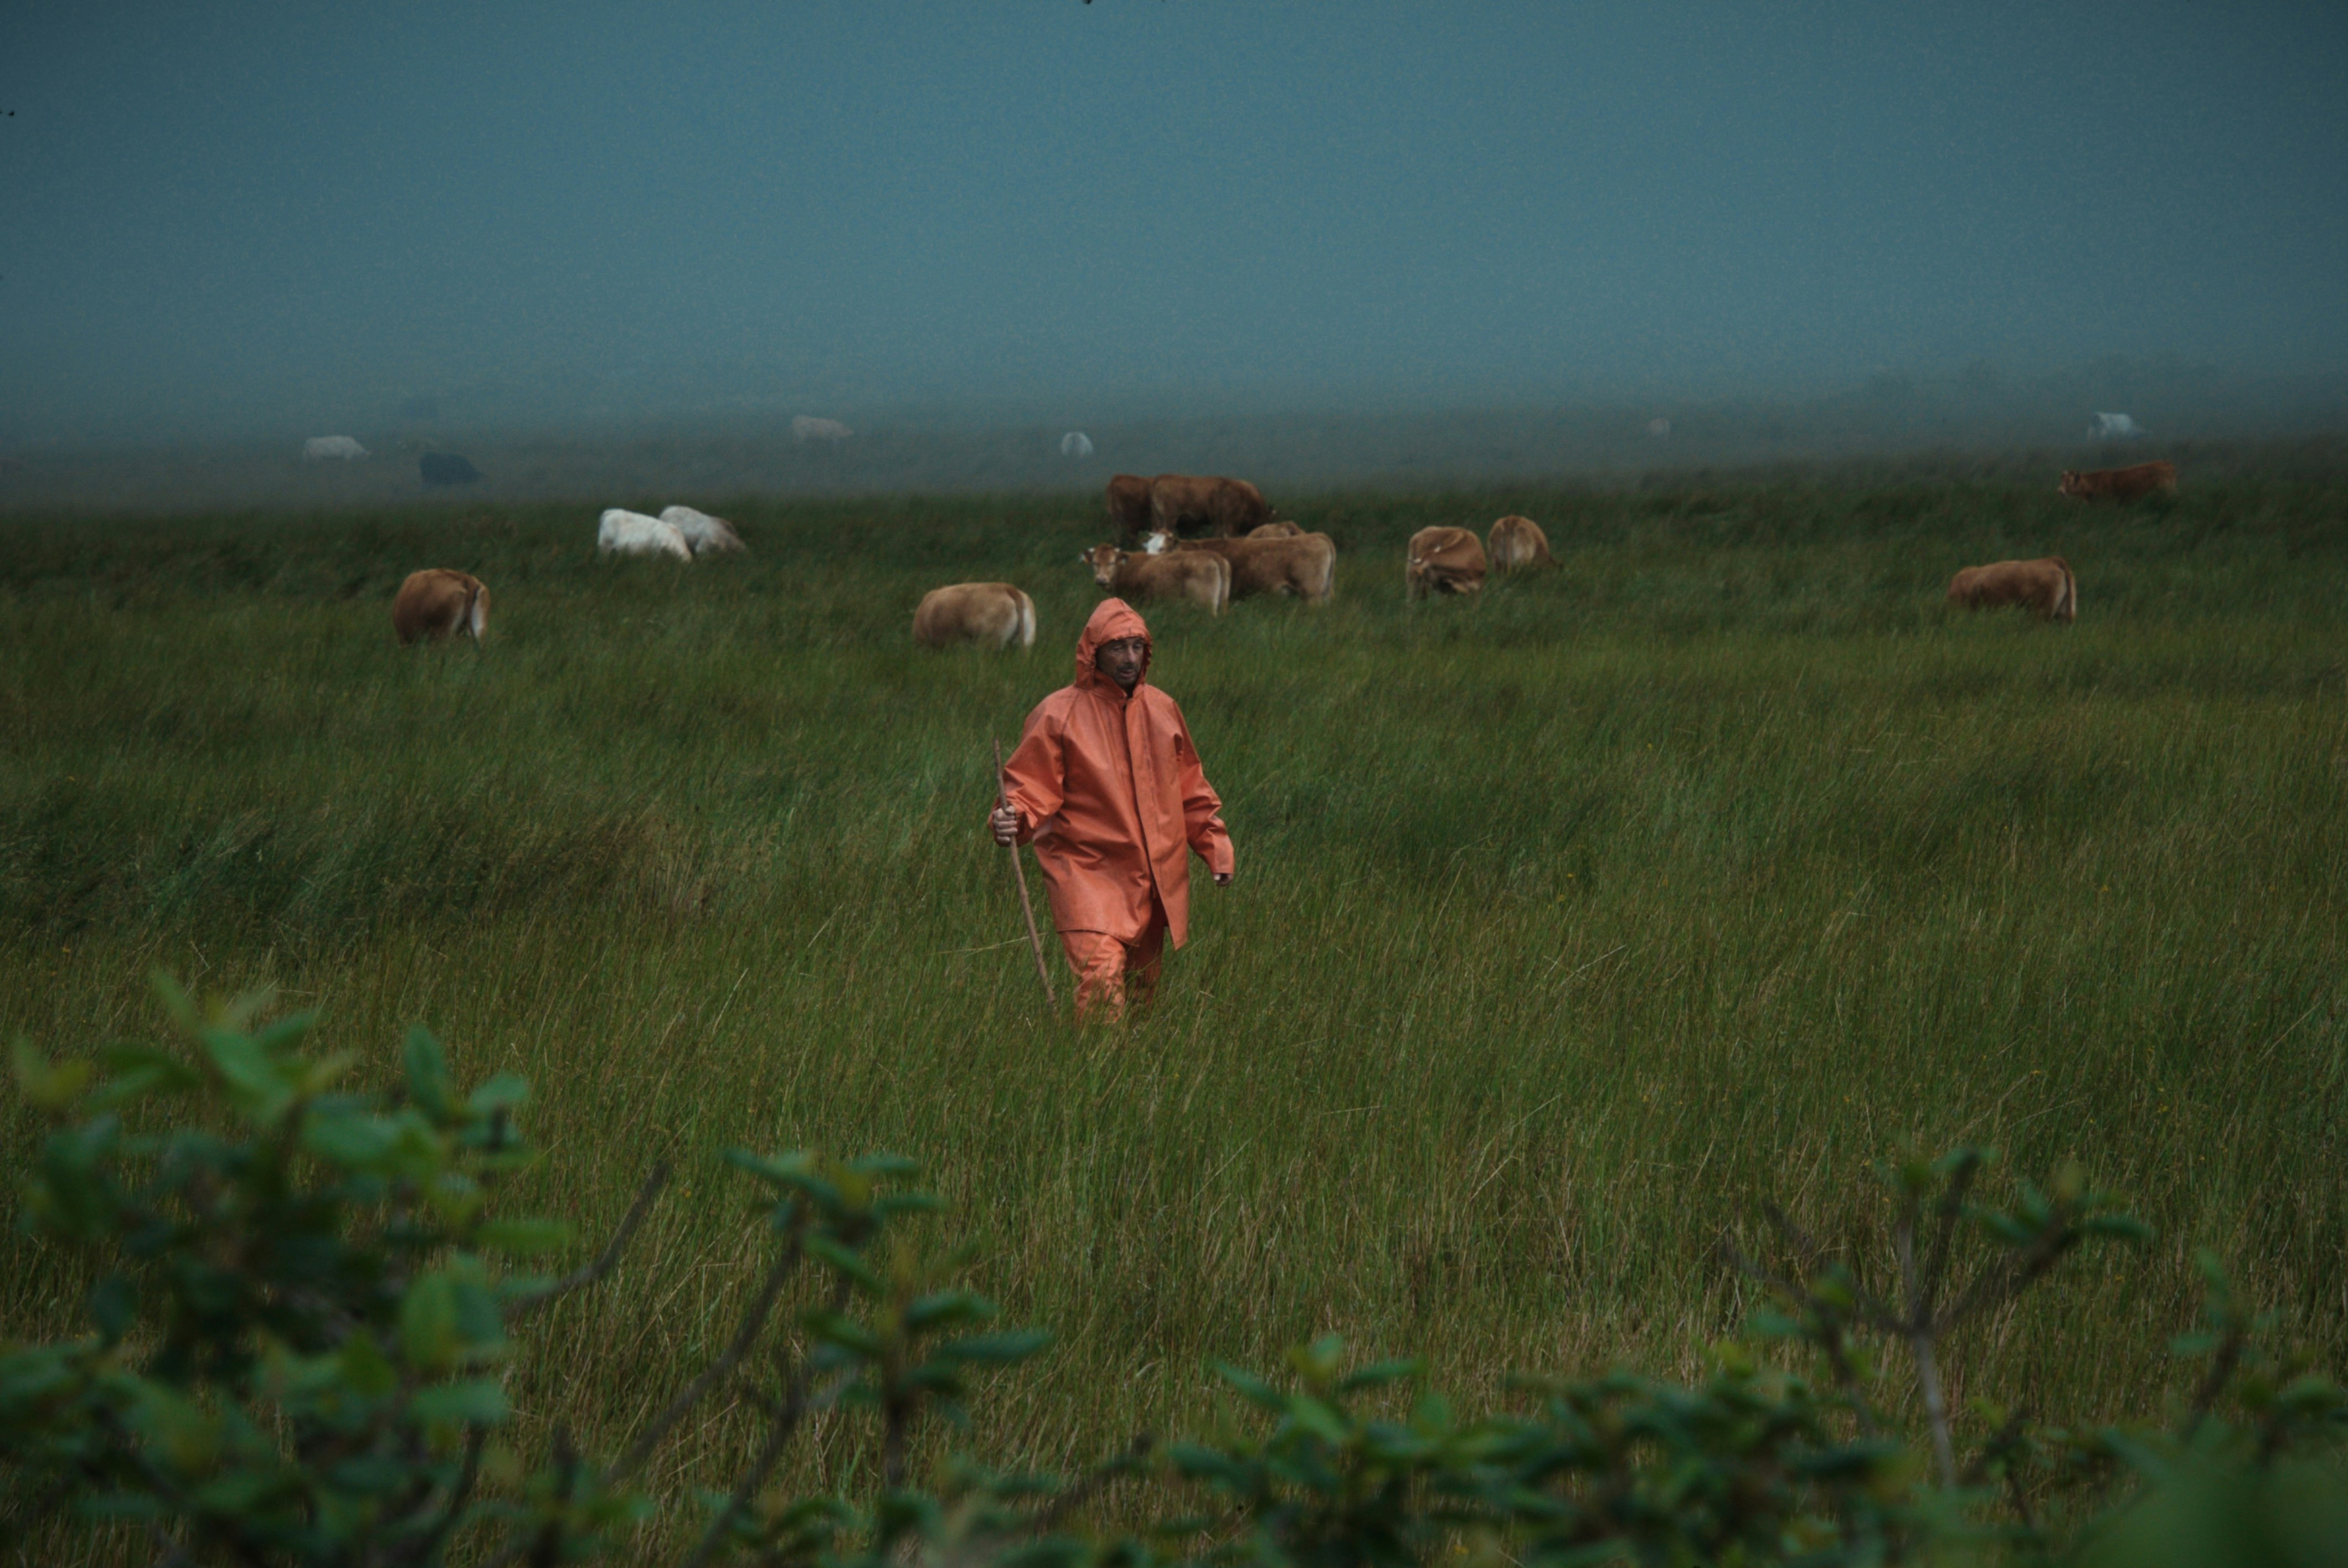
(1108, 786)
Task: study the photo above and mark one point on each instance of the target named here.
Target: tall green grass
(1716, 863)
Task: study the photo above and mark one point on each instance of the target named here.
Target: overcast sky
(235, 213)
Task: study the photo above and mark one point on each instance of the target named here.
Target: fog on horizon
(268, 221)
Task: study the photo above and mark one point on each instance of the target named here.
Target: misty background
(1332, 240)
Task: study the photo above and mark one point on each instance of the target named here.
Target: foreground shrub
(304, 1298)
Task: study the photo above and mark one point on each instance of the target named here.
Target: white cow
(320, 447)
(806, 427)
(1075, 444)
(708, 536)
(627, 533)
(2113, 427)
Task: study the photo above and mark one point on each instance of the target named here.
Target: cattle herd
(1208, 540)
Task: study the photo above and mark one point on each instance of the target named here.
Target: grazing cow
(2044, 588)
(2113, 427)
(319, 448)
(1224, 507)
(1075, 444)
(706, 535)
(2132, 484)
(806, 427)
(1518, 542)
(1201, 578)
(447, 468)
(627, 533)
(994, 613)
(1304, 564)
(436, 604)
(1443, 561)
(1128, 505)
(1283, 529)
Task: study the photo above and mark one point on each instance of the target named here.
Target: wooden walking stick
(1019, 871)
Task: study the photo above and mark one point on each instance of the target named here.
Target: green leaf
(1318, 1419)
(48, 1088)
(427, 1073)
(427, 1323)
(1378, 1374)
(478, 1401)
(1252, 1388)
(1001, 1349)
(503, 1092)
(367, 1368)
(113, 1306)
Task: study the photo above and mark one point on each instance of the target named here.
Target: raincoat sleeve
(1035, 774)
(1202, 808)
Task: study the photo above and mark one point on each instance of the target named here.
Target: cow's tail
(476, 614)
(1324, 582)
(2067, 609)
(1025, 634)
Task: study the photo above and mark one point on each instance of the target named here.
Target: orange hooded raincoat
(1109, 790)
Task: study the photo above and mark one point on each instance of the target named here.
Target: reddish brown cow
(1201, 578)
(1517, 542)
(1304, 564)
(1128, 505)
(994, 613)
(2132, 484)
(1443, 561)
(436, 604)
(1223, 508)
(2044, 588)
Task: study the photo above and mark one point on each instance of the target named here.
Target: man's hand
(1005, 822)
(1223, 879)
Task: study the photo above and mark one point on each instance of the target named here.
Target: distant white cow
(708, 536)
(2113, 427)
(627, 533)
(318, 449)
(1075, 444)
(1659, 427)
(806, 427)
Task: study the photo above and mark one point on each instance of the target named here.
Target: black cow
(447, 468)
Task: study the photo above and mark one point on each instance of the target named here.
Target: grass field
(1713, 865)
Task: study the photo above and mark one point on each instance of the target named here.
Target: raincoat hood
(1112, 619)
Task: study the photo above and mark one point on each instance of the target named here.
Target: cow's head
(2069, 483)
(1157, 543)
(1103, 559)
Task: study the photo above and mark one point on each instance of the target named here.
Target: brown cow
(1283, 529)
(2044, 588)
(994, 613)
(1128, 505)
(2119, 483)
(1518, 542)
(1199, 578)
(436, 604)
(1443, 561)
(1224, 507)
(1306, 566)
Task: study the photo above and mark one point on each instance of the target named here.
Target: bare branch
(1097, 1481)
(607, 1260)
(1952, 1209)
(746, 1337)
(2229, 1356)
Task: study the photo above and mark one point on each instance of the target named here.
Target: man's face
(1121, 660)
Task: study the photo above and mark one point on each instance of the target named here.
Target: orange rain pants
(1110, 973)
